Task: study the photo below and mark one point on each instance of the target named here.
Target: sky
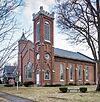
(24, 17)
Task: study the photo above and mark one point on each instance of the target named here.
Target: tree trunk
(98, 85)
(98, 30)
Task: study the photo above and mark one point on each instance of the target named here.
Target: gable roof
(72, 55)
(9, 69)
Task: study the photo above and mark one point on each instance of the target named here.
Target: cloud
(32, 6)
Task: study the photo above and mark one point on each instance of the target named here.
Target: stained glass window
(80, 72)
(86, 72)
(29, 70)
(71, 72)
(61, 72)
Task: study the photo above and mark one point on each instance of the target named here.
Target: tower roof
(43, 12)
(23, 37)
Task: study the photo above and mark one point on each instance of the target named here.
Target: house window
(71, 72)
(47, 75)
(29, 70)
(80, 72)
(61, 72)
(86, 72)
(47, 31)
(38, 31)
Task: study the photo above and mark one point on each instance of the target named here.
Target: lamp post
(17, 79)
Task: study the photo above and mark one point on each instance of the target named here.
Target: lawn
(52, 94)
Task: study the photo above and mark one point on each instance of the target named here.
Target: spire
(23, 37)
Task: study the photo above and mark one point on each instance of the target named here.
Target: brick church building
(43, 64)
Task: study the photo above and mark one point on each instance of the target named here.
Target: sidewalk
(13, 98)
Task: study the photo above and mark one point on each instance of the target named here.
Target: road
(13, 98)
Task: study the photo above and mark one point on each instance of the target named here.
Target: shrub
(63, 89)
(19, 84)
(28, 83)
(83, 89)
(8, 85)
(87, 84)
(0, 82)
(56, 85)
(71, 84)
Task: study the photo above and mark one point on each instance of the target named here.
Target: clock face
(47, 56)
(37, 56)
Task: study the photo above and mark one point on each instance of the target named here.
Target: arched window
(61, 72)
(25, 71)
(38, 31)
(47, 75)
(28, 69)
(47, 31)
(80, 72)
(86, 72)
(71, 72)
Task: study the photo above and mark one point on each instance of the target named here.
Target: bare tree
(7, 16)
(8, 25)
(11, 50)
(81, 20)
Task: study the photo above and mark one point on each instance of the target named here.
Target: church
(43, 64)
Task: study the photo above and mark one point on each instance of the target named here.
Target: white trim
(47, 41)
(37, 41)
(72, 80)
(79, 80)
(87, 80)
(61, 80)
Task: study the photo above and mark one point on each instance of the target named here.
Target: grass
(52, 94)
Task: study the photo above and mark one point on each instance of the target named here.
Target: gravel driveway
(13, 98)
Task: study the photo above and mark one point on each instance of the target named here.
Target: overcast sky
(33, 6)
(25, 19)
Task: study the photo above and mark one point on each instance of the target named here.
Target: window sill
(37, 41)
(61, 80)
(79, 80)
(87, 80)
(48, 41)
(71, 80)
(46, 79)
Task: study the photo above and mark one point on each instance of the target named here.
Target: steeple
(23, 37)
(43, 49)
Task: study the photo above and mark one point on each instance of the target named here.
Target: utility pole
(98, 31)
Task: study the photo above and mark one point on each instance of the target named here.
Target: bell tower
(43, 47)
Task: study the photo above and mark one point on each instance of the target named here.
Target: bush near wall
(87, 84)
(19, 84)
(28, 83)
(63, 89)
(83, 89)
(8, 85)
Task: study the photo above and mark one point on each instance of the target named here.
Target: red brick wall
(75, 64)
(25, 54)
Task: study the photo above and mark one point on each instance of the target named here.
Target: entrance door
(37, 78)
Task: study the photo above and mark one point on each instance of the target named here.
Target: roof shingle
(71, 55)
